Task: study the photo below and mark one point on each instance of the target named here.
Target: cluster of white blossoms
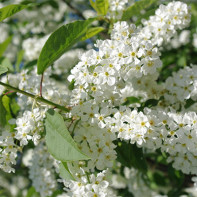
(113, 65)
(121, 67)
(182, 85)
(175, 134)
(97, 144)
(125, 66)
(95, 185)
(33, 46)
(30, 126)
(41, 171)
(8, 151)
(167, 20)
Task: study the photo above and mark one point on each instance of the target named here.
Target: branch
(74, 9)
(39, 98)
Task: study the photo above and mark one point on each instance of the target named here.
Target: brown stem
(41, 81)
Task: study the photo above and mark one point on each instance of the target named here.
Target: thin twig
(38, 98)
(74, 9)
(9, 92)
(42, 77)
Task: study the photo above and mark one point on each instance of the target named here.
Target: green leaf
(60, 41)
(3, 70)
(101, 6)
(4, 45)
(10, 10)
(131, 156)
(92, 32)
(59, 141)
(64, 171)
(134, 9)
(5, 62)
(2, 113)
(5, 65)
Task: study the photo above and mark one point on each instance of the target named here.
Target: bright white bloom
(97, 186)
(8, 151)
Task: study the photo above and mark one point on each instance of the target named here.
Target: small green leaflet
(64, 171)
(59, 141)
(92, 32)
(3, 70)
(32, 192)
(10, 10)
(134, 9)
(131, 100)
(4, 45)
(101, 6)
(60, 41)
(5, 65)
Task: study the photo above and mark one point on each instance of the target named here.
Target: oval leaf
(10, 10)
(59, 141)
(60, 41)
(134, 9)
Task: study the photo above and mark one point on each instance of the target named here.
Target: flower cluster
(33, 47)
(167, 20)
(30, 126)
(41, 171)
(182, 85)
(8, 151)
(95, 186)
(97, 144)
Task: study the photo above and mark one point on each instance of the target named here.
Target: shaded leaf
(5, 62)
(3, 70)
(130, 155)
(59, 141)
(64, 171)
